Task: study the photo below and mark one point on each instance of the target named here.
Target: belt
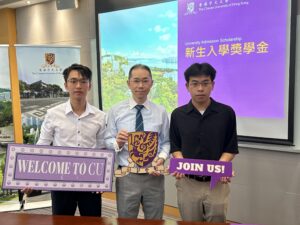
(120, 167)
(199, 178)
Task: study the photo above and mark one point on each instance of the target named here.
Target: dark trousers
(66, 202)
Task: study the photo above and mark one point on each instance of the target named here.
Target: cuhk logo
(190, 7)
(49, 58)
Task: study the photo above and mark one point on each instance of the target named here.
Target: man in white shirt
(135, 189)
(75, 123)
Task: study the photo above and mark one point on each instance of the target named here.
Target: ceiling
(18, 3)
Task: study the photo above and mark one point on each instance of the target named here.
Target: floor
(41, 204)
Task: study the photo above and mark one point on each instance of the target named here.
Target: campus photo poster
(6, 117)
(41, 83)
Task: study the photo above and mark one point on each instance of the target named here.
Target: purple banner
(215, 169)
(246, 42)
(58, 168)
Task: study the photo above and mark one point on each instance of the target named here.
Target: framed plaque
(58, 168)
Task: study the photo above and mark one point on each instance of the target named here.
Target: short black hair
(83, 70)
(139, 66)
(200, 69)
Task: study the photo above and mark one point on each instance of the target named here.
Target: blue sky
(146, 32)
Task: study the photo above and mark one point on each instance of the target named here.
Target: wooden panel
(8, 36)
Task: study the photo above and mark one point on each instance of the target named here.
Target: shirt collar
(213, 107)
(87, 111)
(133, 103)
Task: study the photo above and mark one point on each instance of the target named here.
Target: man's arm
(100, 134)
(164, 142)
(227, 157)
(175, 140)
(113, 139)
(47, 131)
(231, 146)
(164, 139)
(177, 154)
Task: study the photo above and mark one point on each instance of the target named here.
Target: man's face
(140, 84)
(77, 85)
(200, 88)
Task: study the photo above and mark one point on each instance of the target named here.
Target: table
(35, 219)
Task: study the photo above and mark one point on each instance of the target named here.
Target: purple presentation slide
(246, 42)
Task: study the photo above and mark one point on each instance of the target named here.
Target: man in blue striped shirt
(136, 188)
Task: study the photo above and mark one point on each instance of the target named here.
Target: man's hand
(122, 138)
(27, 190)
(226, 180)
(159, 162)
(177, 175)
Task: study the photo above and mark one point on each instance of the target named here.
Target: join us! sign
(215, 169)
(58, 168)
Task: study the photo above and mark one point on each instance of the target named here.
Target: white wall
(44, 24)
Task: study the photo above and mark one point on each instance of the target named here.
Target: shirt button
(78, 144)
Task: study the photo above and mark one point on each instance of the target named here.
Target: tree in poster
(114, 86)
(6, 117)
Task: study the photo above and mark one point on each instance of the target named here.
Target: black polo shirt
(204, 136)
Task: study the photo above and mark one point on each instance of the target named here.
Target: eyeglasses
(203, 84)
(76, 81)
(137, 81)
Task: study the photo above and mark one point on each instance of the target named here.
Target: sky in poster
(154, 35)
(32, 66)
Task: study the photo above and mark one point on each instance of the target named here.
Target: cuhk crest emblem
(190, 7)
(50, 58)
(142, 147)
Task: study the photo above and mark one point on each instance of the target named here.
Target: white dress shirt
(63, 127)
(122, 117)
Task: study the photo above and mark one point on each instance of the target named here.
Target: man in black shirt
(202, 129)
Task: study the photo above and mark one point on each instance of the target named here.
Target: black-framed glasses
(76, 81)
(138, 81)
(203, 84)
